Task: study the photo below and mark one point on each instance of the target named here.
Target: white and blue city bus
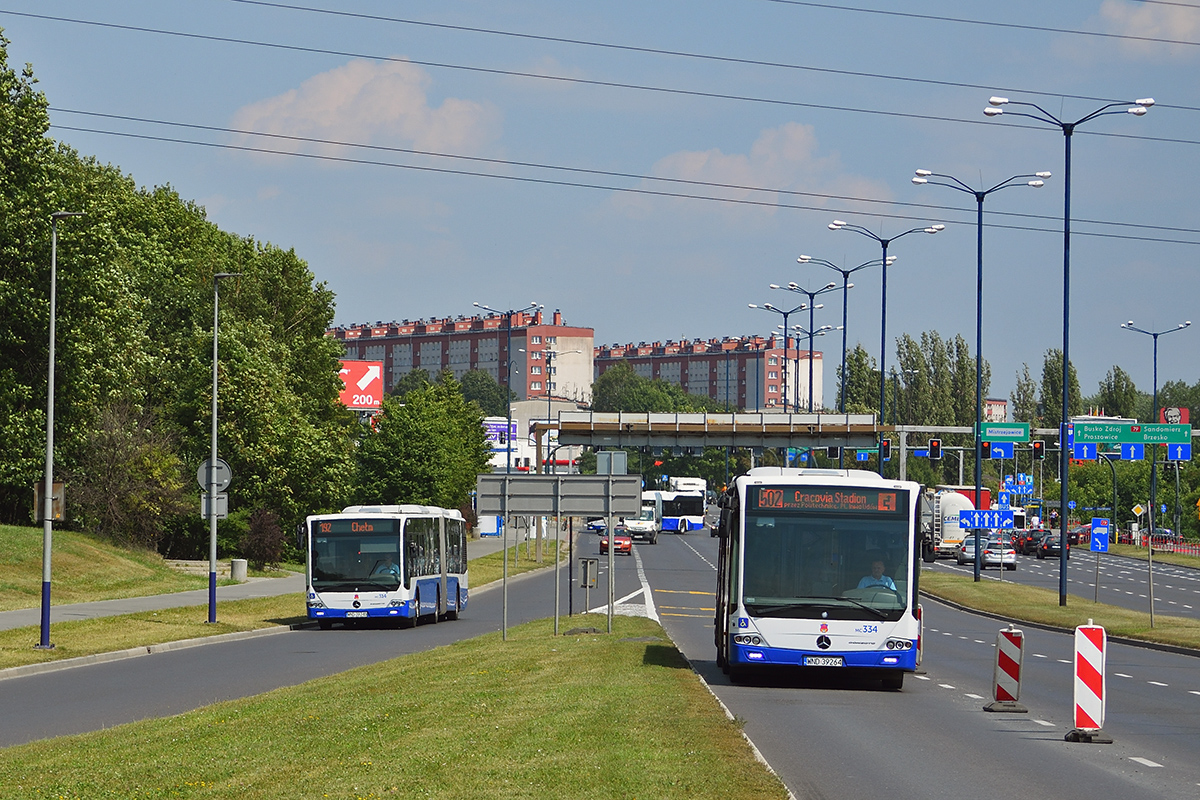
(818, 569)
(401, 562)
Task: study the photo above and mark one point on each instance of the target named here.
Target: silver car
(998, 552)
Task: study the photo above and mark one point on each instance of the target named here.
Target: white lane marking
(1122, 675)
(1157, 683)
(651, 611)
(973, 696)
(1193, 691)
(980, 641)
(945, 686)
(1043, 722)
(1039, 655)
(947, 633)
(926, 678)
(699, 554)
(1063, 661)
(1145, 761)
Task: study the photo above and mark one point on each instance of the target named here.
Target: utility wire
(598, 172)
(683, 53)
(580, 184)
(989, 24)
(583, 81)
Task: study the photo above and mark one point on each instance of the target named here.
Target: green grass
(83, 569)
(537, 716)
(485, 569)
(109, 634)
(1033, 604)
(1128, 550)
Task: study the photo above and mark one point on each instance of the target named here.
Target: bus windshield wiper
(860, 604)
(815, 602)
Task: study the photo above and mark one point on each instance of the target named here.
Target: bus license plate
(822, 661)
(363, 614)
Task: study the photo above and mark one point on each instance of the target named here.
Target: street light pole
(785, 315)
(212, 463)
(48, 489)
(1129, 326)
(812, 307)
(922, 178)
(840, 225)
(1138, 109)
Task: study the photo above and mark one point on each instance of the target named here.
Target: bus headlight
(396, 603)
(745, 638)
(899, 644)
(315, 604)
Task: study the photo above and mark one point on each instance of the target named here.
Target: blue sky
(806, 140)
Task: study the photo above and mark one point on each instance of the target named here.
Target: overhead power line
(580, 184)
(583, 81)
(599, 172)
(683, 53)
(993, 24)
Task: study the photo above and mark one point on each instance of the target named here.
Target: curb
(144, 650)
(1160, 646)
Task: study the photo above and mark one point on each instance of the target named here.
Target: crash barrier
(1090, 685)
(1006, 672)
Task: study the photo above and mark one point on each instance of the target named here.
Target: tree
(1118, 397)
(415, 380)
(482, 389)
(427, 451)
(1024, 398)
(1051, 395)
(862, 382)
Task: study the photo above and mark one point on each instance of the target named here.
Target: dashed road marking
(926, 678)
(1044, 722)
(1157, 683)
(945, 686)
(973, 696)
(1122, 675)
(1145, 761)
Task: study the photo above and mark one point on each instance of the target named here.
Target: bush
(264, 543)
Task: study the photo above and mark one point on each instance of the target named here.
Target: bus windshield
(350, 554)
(839, 564)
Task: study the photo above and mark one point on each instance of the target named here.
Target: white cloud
(373, 103)
(1152, 21)
(782, 158)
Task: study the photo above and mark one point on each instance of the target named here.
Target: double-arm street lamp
(812, 307)
(1137, 108)
(840, 225)
(1036, 180)
(846, 287)
(1129, 326)
(48, 490)
(508, 372)
(786, 335)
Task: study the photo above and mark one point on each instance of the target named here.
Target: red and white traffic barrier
(1006, 672)
(1091, 686)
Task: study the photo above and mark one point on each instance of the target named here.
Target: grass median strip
(1034, 604)
(109, 634)
(538, 716)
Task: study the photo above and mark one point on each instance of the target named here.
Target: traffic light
(885, 449)
(1039, 450)
(935, 448)
(985, 449)
(833, 452)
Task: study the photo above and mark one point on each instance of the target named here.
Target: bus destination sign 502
(855, 501)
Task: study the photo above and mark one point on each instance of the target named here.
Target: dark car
(1026, 542)
(1049, 546)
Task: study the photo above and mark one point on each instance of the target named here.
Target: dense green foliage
(133, 364)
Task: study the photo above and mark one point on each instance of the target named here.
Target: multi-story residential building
(995, 409)
(549, 358)
(749, 373)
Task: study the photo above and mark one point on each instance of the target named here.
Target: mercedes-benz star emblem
(823, 642)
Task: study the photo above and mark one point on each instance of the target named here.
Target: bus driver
(877, 578)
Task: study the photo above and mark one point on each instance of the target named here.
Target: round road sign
(222, 477)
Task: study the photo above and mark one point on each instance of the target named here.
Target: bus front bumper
(854, 659)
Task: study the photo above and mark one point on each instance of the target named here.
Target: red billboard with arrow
(362, 385)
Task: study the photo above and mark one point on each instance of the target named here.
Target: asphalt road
(829, 737)
(1123, 581)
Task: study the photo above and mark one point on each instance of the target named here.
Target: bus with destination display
(818, 569)
(398, 562)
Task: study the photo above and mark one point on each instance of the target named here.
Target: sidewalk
(254, 587)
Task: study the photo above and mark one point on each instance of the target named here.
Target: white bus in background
(400, 562)
(683, 504)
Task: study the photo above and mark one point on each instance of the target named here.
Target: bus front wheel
(893, 681)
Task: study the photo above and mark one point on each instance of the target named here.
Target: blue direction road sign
(1021, 488)
(1099, 535)
(1132, 452)
(1071, 504)
(1179, 452)
(1084, 451)
(991, 520)
(1002, 449)
(923, 453)
(861, 456)
(1003, 499)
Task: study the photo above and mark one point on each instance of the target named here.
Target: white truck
(648, 524)
(945, 534)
